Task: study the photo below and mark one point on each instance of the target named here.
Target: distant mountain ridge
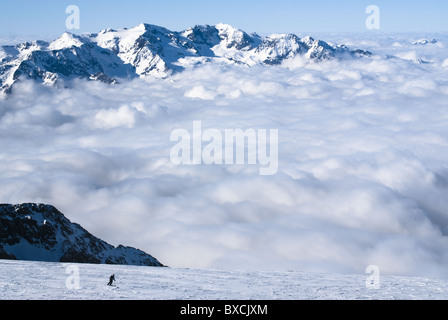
(39, 232)
(149, 50)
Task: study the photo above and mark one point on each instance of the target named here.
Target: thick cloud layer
(362, 176)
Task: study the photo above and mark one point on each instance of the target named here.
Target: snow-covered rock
(39, 232)
(425, 42)
(149, 50)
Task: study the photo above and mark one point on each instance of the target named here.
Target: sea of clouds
(362, 176)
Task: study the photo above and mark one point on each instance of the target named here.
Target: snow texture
(23, 280)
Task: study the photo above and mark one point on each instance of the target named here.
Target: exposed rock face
(149, 50)
(41, 233)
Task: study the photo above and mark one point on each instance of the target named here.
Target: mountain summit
(40, 232)
(149, 50)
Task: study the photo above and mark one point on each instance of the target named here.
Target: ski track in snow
(25, 280)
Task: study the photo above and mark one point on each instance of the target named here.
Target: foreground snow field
(24, 280)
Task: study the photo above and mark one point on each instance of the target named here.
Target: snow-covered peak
(144, 29)
(227, 28)
(107, 30)
(25, 49)
(150, 50)
(116, 39)
(425, 42)
(34, 45)
(276, 48)
(308, 40)
(202, 34)
(124, 40)
(138, 29)
(234, 38)
(66, 40)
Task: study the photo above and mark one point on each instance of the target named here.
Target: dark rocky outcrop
(42, 233)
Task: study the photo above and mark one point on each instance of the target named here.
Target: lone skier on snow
(111, 280)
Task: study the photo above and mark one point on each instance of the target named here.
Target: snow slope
(25, 280)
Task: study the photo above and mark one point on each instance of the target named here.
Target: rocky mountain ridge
(39, 232)
(154, 51)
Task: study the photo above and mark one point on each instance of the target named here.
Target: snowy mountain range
(149, 50)
(40, 232)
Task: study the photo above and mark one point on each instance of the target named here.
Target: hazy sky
(47, 18)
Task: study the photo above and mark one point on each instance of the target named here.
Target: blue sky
(47, 18)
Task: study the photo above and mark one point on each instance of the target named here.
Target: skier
(111, 280)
